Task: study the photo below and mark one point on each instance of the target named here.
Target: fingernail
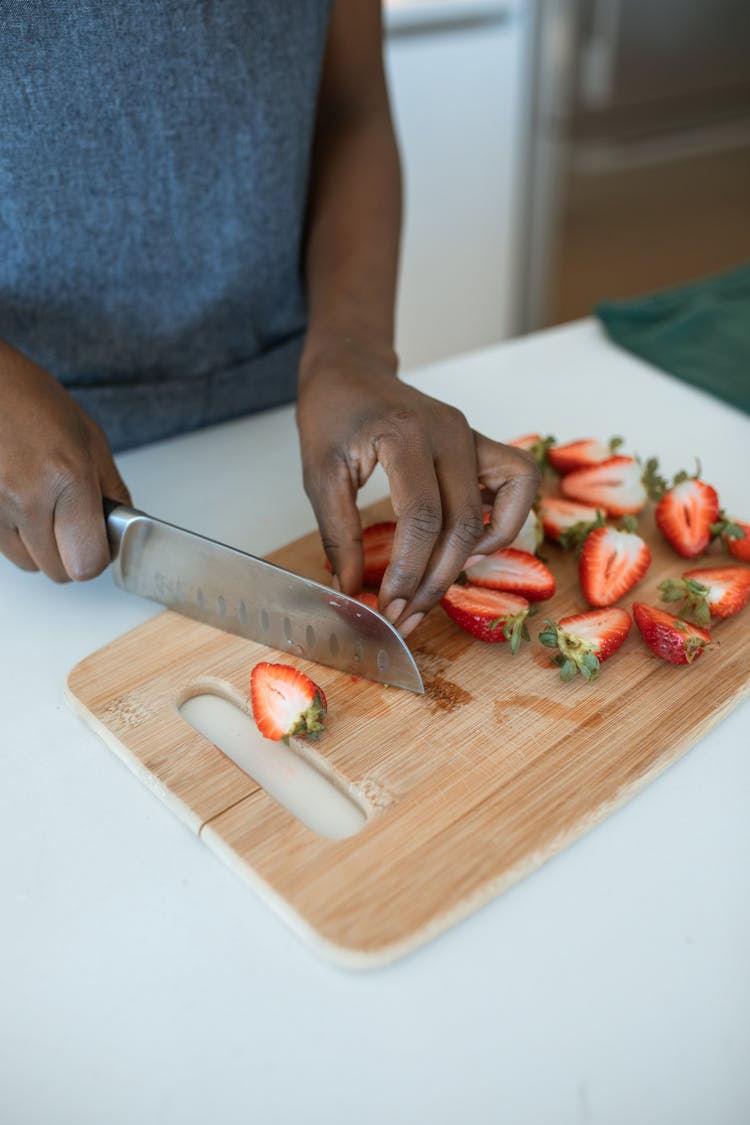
(394, 610)
(410, 624)
(335, 582)
(473, 560)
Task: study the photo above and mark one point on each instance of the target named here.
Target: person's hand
(55, 468)
(352, 412)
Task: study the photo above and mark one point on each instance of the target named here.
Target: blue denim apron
(154, 160)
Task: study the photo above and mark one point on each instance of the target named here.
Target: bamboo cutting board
(465, 789)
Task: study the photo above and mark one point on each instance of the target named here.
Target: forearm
(353, 228)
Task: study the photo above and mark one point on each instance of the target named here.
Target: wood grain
(466, 789)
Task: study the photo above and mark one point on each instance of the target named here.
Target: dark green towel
(698, 332)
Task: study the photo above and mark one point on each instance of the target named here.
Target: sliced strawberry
(670, 637)
(566, 521)
(585, 640)
(611, 562)
(619, 485)
(735, 535)
(377, 544)
(286, 702)
(536, 445)
(516, 572)
(530, 536)
(708, 592)
(686, 513)
(578, 454)
(489, 615)
(368, 598)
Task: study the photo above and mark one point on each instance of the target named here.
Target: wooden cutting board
(465, 789)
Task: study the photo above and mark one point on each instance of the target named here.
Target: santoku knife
(252, 598)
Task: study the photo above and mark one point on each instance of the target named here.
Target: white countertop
(141, 982)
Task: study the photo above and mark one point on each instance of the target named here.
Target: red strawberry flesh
(286, 702)
(516, 572)
(615, 485)
(611, 563)
(489, 615)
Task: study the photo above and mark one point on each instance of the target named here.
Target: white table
(141, 983)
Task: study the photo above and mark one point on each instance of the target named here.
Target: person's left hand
(353, 412)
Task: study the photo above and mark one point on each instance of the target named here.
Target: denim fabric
(154, 161)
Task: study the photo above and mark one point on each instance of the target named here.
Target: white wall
(457, 73)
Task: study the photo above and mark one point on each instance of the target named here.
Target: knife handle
(117, 516)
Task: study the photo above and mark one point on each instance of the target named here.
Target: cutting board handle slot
(299, 782)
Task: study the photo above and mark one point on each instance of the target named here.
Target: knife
(249, 597)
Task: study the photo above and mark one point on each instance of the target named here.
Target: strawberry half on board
(286, 703)
(735, 535)
(671, 638)
(567, 522)
(578, 454)
(489, 615)
(515, 572)
(620, 486)
(585, 640)
(611, 562)
(536, 445)
(718, 591)
(686, 513)
(377, 546)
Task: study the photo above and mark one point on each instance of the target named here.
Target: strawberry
(578, 454)
(516, 572)
(567, 522)
(685, 514)
(489, 615)
(735, 535)
(671, 638)
(368, 598)
(286, 702)
(536, 445)
(377, 544)
(619, 485)
(709, 592)
(530, 536)
(585, 640)
(612, 561)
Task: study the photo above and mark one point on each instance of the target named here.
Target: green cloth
(698, 332)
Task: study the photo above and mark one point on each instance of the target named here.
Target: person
(200, 207)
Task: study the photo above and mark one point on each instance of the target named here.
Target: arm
(352, 411)
(55, 467)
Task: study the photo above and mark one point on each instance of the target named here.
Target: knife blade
(249, 597)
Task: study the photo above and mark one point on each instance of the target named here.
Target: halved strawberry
(577, 454)
(585, 640)
(670, 637)
(377, 544)
(686, 513)
(612, 561)
(516, 572)
(734, 534)
(368, 598)
(489, 615)
(708, 592)
(536, 445)
(286, 702)
(566, 521)
(619, 485)
(531, 534)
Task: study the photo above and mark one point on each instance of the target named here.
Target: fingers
(14, 550)
(333, 497)
(437, 503)
(513, 476)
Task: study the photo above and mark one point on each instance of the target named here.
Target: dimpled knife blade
(249, 597)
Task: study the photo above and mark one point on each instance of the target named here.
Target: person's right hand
(55, 468)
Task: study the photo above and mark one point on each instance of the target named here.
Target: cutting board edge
(357, 959)
(175, 805)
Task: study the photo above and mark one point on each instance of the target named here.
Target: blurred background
(560, 152)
